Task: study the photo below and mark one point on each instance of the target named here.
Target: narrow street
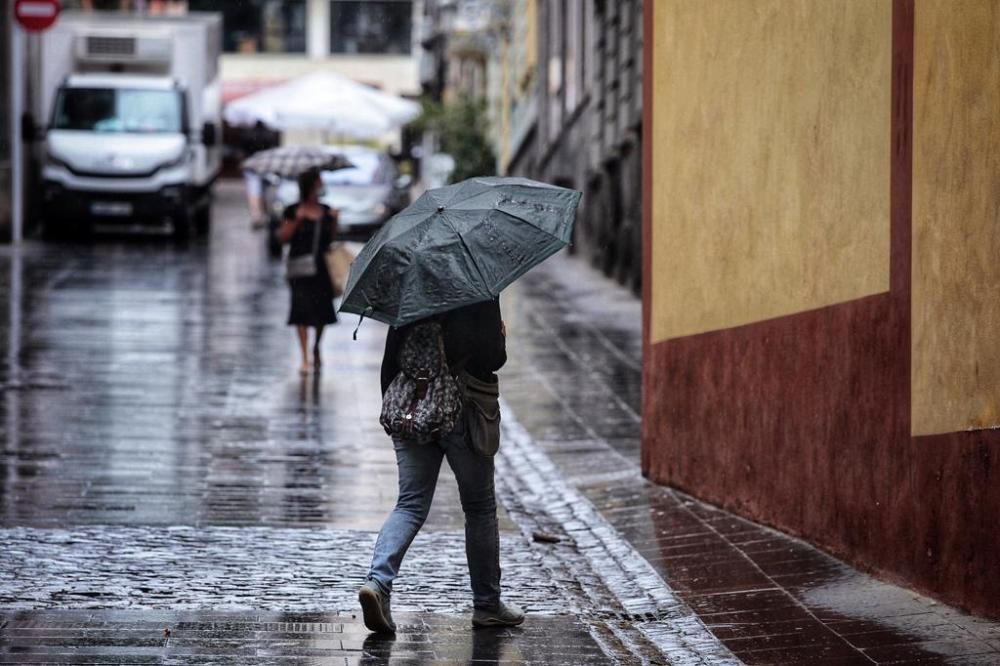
(172, 491)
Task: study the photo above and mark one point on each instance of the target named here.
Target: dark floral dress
(312, 297)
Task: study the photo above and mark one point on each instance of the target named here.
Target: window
(118, 110)
(587, 48)
(371, 26)
(259, 26)
(557, 32)
(98, 5)
(5, 148)
(573, 27)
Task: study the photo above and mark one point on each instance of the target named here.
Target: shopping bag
(338, 265)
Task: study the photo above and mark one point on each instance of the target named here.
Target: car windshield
(365, 171)
(118, 110)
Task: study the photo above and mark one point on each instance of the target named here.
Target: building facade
(564, 83)
(456, 39)
(569, 111)
(270, 41)
(822, 273)
(6, 184)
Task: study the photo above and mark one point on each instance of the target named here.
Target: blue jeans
(419, 465)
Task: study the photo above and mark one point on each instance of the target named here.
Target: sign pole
(35, 16)
(17, 66)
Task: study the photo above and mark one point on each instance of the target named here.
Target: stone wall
(821, 297)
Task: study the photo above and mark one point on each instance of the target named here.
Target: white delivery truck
(128, 112)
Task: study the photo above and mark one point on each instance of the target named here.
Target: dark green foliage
(462, 128)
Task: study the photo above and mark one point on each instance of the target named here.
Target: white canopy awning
(324, 101)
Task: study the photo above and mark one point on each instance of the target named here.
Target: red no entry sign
(36, 15)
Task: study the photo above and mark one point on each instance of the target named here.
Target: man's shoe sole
(497, 622)
(372, 611)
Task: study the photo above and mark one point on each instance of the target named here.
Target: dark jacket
(473, 340)
(304, 240)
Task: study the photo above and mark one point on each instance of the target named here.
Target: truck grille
(110, 46)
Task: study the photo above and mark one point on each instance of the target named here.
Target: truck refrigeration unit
(127, 111)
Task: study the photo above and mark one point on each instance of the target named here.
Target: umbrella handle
(367, 312)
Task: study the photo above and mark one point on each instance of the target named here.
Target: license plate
(111, 208)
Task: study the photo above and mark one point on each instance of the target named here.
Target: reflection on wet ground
(147, 384)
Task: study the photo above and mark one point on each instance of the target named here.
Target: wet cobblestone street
(172, 491)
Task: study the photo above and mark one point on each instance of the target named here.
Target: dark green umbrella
(458, 245)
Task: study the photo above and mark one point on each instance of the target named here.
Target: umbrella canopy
(324, 101)
(458, 245)
(290, 161)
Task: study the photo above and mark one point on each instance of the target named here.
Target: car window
(365, 171)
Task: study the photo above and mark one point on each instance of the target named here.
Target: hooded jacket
(473, 341)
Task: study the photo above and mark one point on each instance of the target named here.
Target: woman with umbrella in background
(308, 227)
(434, 273)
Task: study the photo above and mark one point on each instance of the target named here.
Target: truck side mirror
(209, 136)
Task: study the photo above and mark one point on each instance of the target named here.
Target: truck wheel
(183, 226)
(54, 230)
(63, 229)
(203, 219)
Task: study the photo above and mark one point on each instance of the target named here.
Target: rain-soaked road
(163, 458)
(171, 491)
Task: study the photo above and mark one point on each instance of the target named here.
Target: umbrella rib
(463, 199)
(548, 248)
(475, 260)
(534, 225)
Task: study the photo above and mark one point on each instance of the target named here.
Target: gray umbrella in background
(458, 245)
(290, 161)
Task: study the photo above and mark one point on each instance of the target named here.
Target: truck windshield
(118, 110)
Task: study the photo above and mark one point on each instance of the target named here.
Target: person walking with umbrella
(434, 272)
(308, 227)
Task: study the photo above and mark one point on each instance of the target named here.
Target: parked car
(366, 195)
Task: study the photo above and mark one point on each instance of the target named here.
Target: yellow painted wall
(956, 216)
(770, 159)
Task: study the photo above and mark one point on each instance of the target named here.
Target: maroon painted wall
(803, 422)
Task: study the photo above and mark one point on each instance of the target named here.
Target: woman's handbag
(338, 264)
(482, 414)
(303, 265)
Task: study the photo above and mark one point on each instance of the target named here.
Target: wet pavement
(769, 598)
(171, 491)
